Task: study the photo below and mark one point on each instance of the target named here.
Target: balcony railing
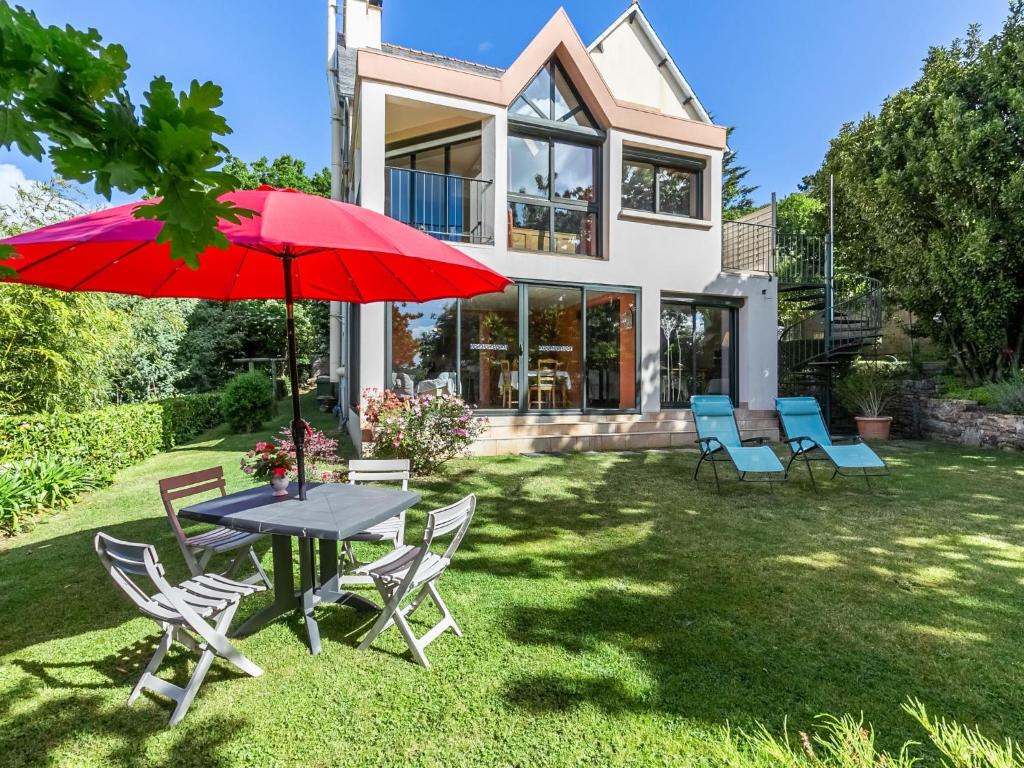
(453, 208)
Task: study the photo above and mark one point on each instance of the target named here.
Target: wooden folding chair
(181, 611)
(391, 530)
(407, 568)
(200, 549)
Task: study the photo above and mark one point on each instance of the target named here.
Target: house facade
(591, 176)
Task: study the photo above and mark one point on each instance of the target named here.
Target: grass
(615, 614)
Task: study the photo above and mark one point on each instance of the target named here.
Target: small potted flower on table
(269, 462)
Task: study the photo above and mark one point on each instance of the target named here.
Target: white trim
(662, 51)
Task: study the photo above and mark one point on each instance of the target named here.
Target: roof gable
(640, 69)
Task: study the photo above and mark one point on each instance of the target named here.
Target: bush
(248, 401)
(47, 482)
(426, 429)
(105, 439)
(868, 387)
(1006, 396)
(186, 416)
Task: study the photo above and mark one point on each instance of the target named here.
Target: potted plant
(867, 389)
(269, 462)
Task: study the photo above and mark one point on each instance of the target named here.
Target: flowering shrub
(266, 460)
(426, 429)
(320, 450)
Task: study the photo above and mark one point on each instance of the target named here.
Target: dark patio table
(331, 513)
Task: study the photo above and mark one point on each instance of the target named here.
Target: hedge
(189, 415)
(110, 438)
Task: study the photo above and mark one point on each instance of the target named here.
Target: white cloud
(485, 46)
(11, 178)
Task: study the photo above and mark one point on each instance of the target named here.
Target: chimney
(361, 23)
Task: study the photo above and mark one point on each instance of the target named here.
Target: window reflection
(696, 352)
(490, 349)
(611, 350)
(423, 347)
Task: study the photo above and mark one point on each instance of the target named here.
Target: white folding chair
(199, 549)
(407, 568)
(392, 529)
(178, 610)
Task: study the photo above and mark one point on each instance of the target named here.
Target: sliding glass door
(489, 350)
(534, 347)
(697, 352)
(555, 349)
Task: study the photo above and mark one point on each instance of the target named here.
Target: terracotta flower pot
(873, 427)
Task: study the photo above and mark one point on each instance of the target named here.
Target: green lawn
(615, 613)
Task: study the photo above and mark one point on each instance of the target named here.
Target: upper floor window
(662, 184)
(553, 168)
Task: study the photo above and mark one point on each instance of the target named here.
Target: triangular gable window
(551, 97)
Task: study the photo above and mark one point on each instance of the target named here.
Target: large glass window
(696, 352)
(553, 169)
(611, 349)
(554, 358)
(423, 347)
(671, 186)
(533, 347)
(489, 359)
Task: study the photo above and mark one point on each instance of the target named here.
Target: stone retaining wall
(919, 414)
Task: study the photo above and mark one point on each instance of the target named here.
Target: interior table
(331, 513)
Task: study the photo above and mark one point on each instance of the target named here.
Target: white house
(591, 175)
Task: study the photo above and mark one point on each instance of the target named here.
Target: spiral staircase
(826, 317)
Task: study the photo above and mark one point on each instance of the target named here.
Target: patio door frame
(523, 287)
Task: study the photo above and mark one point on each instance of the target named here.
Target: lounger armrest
(705, 444)
(759, 440)
(799, 440)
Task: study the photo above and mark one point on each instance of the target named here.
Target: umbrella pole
(298, 427)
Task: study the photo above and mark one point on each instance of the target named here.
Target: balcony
(453, 208)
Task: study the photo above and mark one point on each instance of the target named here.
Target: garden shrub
(105, 439)
(47, 482)
(426, 429)
(186, 416)
(248, 401)
(1006, 396)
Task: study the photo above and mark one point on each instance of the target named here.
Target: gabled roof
(557, 39)
(634, 14)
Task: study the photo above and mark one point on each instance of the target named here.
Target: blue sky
(787, 73)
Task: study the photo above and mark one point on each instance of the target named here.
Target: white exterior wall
(629, 63)
(654, 253)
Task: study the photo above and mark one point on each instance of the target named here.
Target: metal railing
(857, 317)
(797, 259)
(453, 208)
(748, 247)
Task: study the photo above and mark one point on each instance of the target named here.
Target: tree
(284, 171)
(145, 367)
(736, 200)
(219, 332)
(929, 194)
(54, 346)
(63, 94)
(289, 173)
(800, 214)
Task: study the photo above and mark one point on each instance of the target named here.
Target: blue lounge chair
(804, 431)
(719, 440)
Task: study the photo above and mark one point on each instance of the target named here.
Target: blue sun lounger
(804, 431)
(719, 440)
